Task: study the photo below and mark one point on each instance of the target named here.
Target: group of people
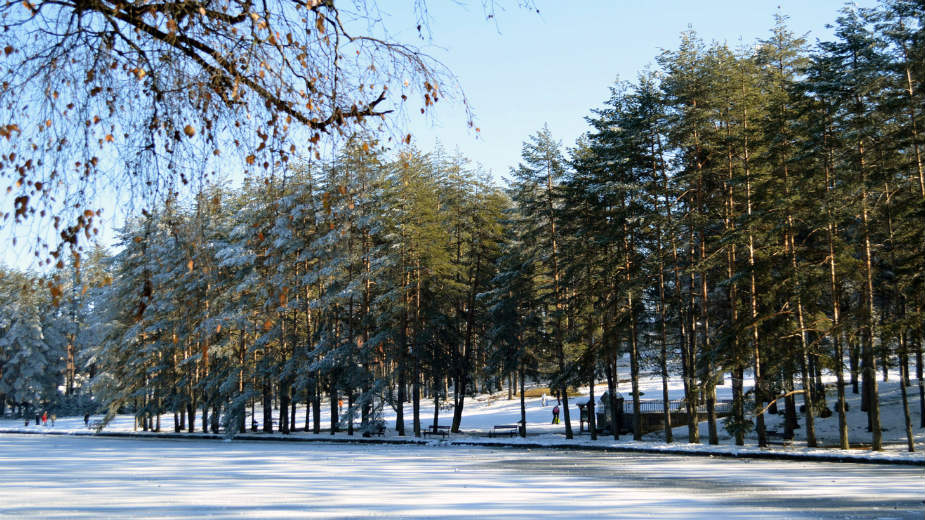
(42, 419)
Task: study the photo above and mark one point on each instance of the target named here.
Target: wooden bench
(504, 429)
(95, 425)
(440, 430)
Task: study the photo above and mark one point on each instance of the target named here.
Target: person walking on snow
(45, 418)
(543, 400)
(555, 414)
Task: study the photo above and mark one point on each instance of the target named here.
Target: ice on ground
(44, 476)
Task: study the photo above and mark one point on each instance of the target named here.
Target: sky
(524, 69)
(547, 64)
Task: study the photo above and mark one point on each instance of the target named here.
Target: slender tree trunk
(436, 404)
(400, 409)
(462, 370)
(868, 334)
(836, 305)
(854, 366)
(292, 407)
(910, 90)
(191, 416)
(738, 408)
(919, 374)
(756, 350)
(910, 438)
(316, 404)
(682, 317)
(523, 403)
(634, 351)
(214, 420)
(560, 306)
(692, 389)
(612, 396)
(709, 378)
(310, 407)
(416, 355)
(903, 348)
(790, 407)
(797, 293)
(662, 307)
(267, 406)
(283, 407)
(663, 353)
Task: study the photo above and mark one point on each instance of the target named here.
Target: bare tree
(149, 95)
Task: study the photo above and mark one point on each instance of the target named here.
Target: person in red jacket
(45, 418)
(555, 414)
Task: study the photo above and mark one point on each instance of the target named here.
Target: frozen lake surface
(79, 477)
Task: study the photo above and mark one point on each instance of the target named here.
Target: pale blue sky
(522, 70)
(525, 69)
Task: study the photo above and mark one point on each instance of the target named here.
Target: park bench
(504, 429)
(95, 425)
(441, 430)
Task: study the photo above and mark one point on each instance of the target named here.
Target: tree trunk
(416, 355)
(400, 409)
(205, 413)
(283, 408)
(797, 294)
(292, 407)
(335, 409)
(191, 416)
(523, 404)
(316, 405)
(663, 353)
(592, 420)
(836, 305)
(918, 375)
(610, 372)
(214, 419)
(676, 268)
(854, 366)
(692, 396)
(634, 377)
(790, 408)
(868, 334)
(560, 306)
(709, 378)
(349, 412)
(910, 438)
(267, 406)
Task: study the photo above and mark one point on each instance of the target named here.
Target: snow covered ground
(483, 412)
(51, 476)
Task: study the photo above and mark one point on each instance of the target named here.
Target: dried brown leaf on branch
(148, 76)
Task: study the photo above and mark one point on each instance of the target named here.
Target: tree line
(754, 212)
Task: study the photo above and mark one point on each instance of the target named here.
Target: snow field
(44, 476)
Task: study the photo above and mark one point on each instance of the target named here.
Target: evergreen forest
(732, 212)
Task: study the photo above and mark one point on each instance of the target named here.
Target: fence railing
(678, 405)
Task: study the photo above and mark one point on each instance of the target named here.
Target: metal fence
(678, 405)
